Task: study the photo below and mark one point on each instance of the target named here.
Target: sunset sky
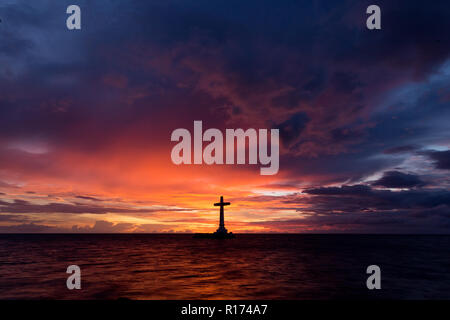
(86, 116)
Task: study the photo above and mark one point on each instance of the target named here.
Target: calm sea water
(248, 267)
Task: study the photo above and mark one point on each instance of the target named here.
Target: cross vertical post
(221, 204)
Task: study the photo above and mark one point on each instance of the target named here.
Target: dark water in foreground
(248, 267)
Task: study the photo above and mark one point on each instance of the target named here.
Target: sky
(86, 115)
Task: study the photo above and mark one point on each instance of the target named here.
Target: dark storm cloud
(100, 226)
(343, 190)
(291, 129)
(12, 217)
(434, 220)
(360, 198)
(441, 158)
(22, 206)
(397, 179)
(361, 208)
(342, 135)
(401, 149)
(345, 82)
(350, 167)
(309, 57)
(13, 46)
(88, 198)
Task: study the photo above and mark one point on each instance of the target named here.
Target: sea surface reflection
(156, 266)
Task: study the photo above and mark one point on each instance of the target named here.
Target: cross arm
(222, 204)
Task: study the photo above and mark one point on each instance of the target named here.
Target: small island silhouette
(221, 232)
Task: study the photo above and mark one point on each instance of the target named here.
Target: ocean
(260, 266)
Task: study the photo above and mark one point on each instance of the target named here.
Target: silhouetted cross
(221, 204)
